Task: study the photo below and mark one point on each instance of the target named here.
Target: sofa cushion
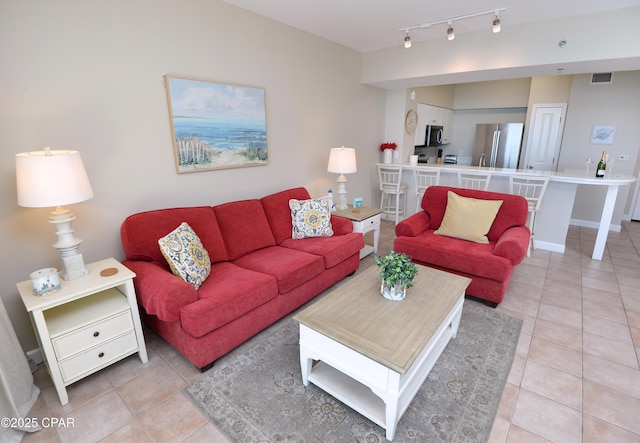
(456, 255)
(310, 218)
(140, 232)
(334, 250)
(228, 294)
(185, 254)
(468, 218)
(290, 267)
(276, 207)
(244, 227)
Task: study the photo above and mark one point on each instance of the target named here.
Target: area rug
(255, 393)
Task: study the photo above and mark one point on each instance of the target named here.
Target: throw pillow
(468, 218)
(311, 218)
(185, 254)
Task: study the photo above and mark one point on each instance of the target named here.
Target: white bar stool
(478, 180)
(532, 188)
(393, 191)
(425, 177)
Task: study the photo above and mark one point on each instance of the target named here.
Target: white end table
(92, 322)
(364, 220)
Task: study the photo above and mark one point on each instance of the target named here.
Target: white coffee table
(374, 354)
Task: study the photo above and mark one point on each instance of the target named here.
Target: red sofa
(489, 266)
(258, 275)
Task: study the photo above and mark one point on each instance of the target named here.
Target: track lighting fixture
(450, 34)
(407, 40)
(496, 24)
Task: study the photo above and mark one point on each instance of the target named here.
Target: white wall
(88, 76)
(614, 104)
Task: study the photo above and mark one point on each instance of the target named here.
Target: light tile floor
(575, 376)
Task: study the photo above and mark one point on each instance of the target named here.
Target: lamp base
(73, 267)
(341, 195)
(67, 245)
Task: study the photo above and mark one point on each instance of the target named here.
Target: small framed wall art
(216, 125)
(603, 135)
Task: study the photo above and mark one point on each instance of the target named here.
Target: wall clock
(411, 122)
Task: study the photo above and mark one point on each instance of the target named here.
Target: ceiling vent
(602, 78)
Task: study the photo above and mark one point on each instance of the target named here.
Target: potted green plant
(397, 273)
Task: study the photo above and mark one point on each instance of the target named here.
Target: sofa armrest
(160, 292)
(414, 225)
(513, 244)
(341, 226)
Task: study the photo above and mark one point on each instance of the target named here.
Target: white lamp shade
(51, 178)
(342, 160)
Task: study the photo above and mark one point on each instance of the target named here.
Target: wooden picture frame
(216, 125)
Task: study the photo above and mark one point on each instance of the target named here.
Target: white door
(545, 135)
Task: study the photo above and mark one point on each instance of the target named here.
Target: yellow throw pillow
(468, 218)
(185, 254)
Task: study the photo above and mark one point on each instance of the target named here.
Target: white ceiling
(368, 25)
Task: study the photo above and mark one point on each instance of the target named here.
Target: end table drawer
(92, 335)
(359, 226)
(91, 359)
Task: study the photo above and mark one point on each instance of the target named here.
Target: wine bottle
(602, 165)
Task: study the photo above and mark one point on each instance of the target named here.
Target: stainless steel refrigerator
(498, 144)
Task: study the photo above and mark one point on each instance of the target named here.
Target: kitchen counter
(554, 216)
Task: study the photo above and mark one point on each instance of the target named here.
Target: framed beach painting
(216, 125)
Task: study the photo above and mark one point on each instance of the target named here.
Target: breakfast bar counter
(554, 216)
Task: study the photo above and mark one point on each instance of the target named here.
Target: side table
(92, 322)
(366, 220)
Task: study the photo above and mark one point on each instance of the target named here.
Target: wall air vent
(602, 78)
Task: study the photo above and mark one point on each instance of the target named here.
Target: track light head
(407, 41)
(496, 24)
(450, 33)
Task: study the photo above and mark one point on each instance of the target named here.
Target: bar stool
(425, 177)
(393, 190)
(474, 179)
(532, 188)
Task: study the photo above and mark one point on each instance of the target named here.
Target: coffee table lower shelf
(370, 388)
(349, 391)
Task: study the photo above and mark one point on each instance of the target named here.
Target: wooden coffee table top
(393, 333)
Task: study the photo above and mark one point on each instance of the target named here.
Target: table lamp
(342, 161)
(53, 178)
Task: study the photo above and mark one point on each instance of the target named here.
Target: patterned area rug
(255, 393)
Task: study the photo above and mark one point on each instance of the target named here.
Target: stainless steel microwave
(433, 136)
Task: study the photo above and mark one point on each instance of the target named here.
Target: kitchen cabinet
(434, 115)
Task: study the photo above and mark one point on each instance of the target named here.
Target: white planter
(395, 293)
(388, 156)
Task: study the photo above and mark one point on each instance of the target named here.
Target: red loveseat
(258, 274)
(489, 266)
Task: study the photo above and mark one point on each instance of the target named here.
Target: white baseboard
(35, 355)
(593, 225)
(553, 247)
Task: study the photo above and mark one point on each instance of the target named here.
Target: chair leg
(533, 229)
(397, 202)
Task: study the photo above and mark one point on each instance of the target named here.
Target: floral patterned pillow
(185, 254)
(311, 218)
